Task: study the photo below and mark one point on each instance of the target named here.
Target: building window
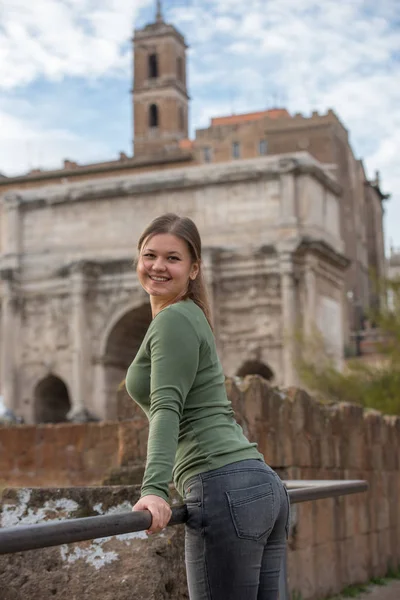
(207, 154)
(179, 68)
(153, 66)
(236, 150)
(262, 147)
(181, 119)
(153, 115)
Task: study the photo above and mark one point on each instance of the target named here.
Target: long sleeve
(173, 347)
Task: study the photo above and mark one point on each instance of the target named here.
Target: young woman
(238, 508)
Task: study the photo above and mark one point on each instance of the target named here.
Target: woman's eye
(148, 255)
(173, 258)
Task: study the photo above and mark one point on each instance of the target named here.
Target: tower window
(207, 154)
(262, 147)
(236, 150)
(153, 115)
(153, 66)
(181, 119)
(179, 68)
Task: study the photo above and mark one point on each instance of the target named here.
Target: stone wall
(69, 454)
(68, 279)
(132, 566)
(333, 542)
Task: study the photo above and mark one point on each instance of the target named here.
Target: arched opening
(153, 115)
(51, 401)
(179, 68)
(122, 345)
(255, 367)
(153, 66)
(181, 119)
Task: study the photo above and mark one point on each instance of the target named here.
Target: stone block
(117, 568)
(383, 537)
(303, 531)
(323, 522)
(304, 409)
(355, 559)
(375, 562)
(128, 450)
(9, 449)
(25, 437)
(307, 584)
(52, 440)
(101, 447)
(327, 578)
(327, 451)
(302, 449)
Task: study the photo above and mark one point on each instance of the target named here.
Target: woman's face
(165, 267)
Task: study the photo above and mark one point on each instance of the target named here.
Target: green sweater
(177, 379)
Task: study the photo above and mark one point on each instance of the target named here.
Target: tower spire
(159, 16)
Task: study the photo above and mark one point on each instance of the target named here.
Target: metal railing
(32, 537)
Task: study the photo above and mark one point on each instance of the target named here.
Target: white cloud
(25, 146)
(54, 39)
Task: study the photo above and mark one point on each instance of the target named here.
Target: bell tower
(160, 98)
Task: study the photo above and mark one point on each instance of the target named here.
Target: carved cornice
(321, 248)
(95, 268)
(157, 30)
(321, 176)
(162, 181)
(170, 157)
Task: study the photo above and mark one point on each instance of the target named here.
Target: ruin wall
(333, 542)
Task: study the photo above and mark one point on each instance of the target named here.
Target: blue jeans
(235, 540)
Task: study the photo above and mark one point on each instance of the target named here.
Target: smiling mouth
(159, 279)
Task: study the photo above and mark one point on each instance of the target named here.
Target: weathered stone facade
(334, 542)
(73, 313)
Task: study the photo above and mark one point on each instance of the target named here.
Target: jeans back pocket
(252, 511)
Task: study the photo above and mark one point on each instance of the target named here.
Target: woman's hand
(159, 509)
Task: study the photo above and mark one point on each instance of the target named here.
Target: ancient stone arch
(123, 342)
(255, 367)
(51, 400)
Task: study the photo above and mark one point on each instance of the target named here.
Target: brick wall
(333, 543)
(69, 454)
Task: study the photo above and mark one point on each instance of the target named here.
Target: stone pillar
(288, 217)
(310, 309)
(9, 266)
(8, 331)
(11, 234)
(288, 319)
(79, 336)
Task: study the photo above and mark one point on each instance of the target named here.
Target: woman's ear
(195, 271)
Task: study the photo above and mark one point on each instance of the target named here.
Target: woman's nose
(159, 264)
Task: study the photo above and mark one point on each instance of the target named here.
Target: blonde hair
(185, 229)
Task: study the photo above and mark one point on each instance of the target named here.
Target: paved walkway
(391, 591)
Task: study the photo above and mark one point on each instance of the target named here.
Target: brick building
(324, 137)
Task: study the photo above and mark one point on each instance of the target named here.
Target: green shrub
(374, 386)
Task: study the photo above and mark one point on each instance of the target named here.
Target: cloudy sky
(66, 72)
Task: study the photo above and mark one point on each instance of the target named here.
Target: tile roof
(274, 113)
